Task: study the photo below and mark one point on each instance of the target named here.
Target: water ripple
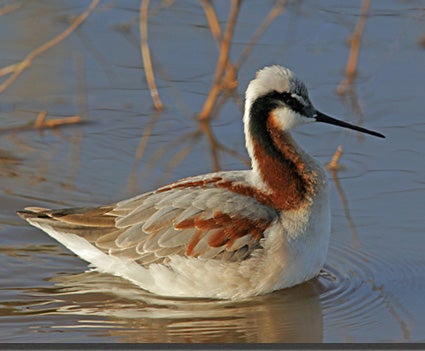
(357, 294)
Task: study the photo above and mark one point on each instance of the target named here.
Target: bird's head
(277, 94)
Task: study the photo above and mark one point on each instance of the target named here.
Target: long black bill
(321, 117)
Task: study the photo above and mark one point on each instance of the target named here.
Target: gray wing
(212, 216)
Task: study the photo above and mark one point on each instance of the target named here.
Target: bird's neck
(282, 166)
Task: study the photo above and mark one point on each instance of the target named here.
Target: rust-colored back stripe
(188, 184)
(245, 190)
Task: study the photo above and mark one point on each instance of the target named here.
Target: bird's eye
(292, 102)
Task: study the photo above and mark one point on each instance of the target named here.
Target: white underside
(284, 261)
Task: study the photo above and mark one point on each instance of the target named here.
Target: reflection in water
(334, 166)
(131, 315)
(15, 70)
(114, 309)
(8, 164)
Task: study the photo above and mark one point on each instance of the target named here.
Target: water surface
(375, 284)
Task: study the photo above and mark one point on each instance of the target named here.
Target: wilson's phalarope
(221, 235)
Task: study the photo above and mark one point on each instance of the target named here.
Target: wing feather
(138, 215)
(196, 217)
(175, 238)
(162, 218)
(128, 253)
(186, 214)
(107, 241)
(148, 258)
(131, 236)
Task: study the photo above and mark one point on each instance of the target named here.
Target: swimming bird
(223, 235)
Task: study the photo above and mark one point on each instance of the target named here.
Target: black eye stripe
(273, 98)
(292, 102)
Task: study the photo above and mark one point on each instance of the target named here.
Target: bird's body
(223, 235)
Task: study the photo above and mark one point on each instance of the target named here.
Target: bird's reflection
(132, 315)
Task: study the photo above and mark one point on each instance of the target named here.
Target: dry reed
(16, 69)
(353, 57)
(146, 56)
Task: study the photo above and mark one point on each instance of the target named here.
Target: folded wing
(197, 217)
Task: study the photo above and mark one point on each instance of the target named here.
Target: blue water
(376, 253)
